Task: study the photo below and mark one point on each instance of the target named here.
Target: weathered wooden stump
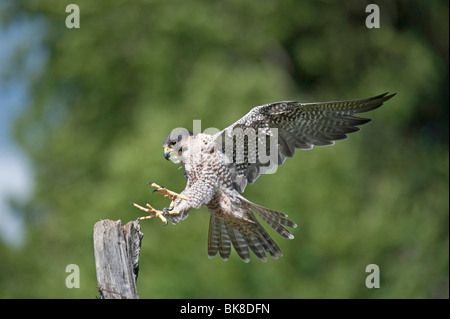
(117, 251)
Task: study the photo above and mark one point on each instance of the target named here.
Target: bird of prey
(219, 166)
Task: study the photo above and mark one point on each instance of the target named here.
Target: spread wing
(247, 143)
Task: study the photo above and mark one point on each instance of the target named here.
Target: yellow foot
(153, 213)
(167, 193)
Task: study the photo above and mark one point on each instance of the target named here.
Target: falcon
(218, 168)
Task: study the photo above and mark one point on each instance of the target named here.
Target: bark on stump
(117, 251)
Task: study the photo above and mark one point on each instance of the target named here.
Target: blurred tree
(111, 91)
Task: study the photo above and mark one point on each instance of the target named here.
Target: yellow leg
(167, 193)
(153, 213)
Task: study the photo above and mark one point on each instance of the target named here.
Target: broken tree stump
(117, 251)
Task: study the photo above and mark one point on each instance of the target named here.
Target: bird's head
(176, 143)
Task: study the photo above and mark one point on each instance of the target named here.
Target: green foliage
(112, 90)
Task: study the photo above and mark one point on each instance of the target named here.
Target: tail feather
(225, 244)
(239, 243)
(273, 218)
(222, 235)
(218, 239)
(269, 245)
(256, 246)
(214, 236)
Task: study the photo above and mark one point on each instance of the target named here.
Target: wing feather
(299, 126)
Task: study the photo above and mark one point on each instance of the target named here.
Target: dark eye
(173, 143)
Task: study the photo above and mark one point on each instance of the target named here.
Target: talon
(167, 193)
(153, 213)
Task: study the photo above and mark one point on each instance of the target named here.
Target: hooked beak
(167, 152)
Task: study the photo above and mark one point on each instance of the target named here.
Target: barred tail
(273, 218)
(222, 235)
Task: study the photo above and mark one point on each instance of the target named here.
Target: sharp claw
(166, 211)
